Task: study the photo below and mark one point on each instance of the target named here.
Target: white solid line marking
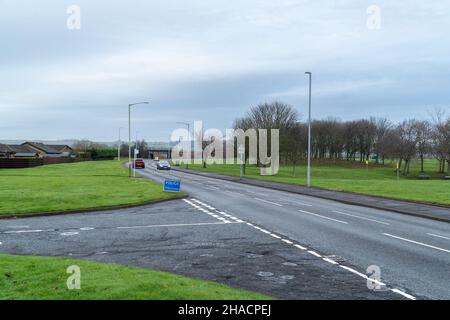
(404, 294)
(323, 217)
(275, 236)
(438, 236)
(315, 254)
(70, 233)
(87, 229)
(416, 242)
(174, 225)
(330, 261)
(287, 241)
(269, 202)
(300, 247)
(27, 231)
(359, 217)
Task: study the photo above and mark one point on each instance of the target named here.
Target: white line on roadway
(269, 202)
(416, 242)
(438, 236)
(177, 225)
(27, 231)
(297, 202)
(323, 217)
(359, 217)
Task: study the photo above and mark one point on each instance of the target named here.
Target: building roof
(43, 147)
(4, 148)
(20, 149)
(59, 147)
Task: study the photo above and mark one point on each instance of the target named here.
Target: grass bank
(377, 180)
(40, 278)
(74, 186)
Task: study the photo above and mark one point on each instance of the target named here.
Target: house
(49, 151)
(17, 151)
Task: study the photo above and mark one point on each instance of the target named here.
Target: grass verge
(74, 186)
(42, 278)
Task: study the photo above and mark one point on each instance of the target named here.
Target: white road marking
(315, 254)
(176, 225)
(330, 261)
(70, 233)
(18, 227)
(297, 202)
(27, 231)
(286, 241)
(87, 229)
(359, 217)
(269, 202)
(300, 247)
(275, 236)
(438, 236)
(416, 242)
(323, 217)
(404, 294)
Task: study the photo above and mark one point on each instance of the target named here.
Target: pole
(129, 140)
(120, 145)
(309, 133)
(190, 146)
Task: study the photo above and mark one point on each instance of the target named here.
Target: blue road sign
(172, 185)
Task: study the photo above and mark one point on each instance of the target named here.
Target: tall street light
(309, 133)
(189, 133)
(129, 134)
(120, 144)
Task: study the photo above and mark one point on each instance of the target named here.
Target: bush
(103, 154)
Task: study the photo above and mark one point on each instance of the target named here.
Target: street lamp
(309, 133)
(120, 144)
(129, 134)
(189, 133)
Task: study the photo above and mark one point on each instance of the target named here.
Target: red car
(139, 163)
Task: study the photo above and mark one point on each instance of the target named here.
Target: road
(413, 254)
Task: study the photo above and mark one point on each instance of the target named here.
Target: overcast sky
(212, 60)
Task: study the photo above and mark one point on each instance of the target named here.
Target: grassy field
(377, 180)
(32, 278)
(74, 186)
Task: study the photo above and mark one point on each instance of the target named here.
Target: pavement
(435, 212)
(286, 245)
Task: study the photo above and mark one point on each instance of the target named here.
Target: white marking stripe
(297, 202)
(404, 294)
(330, 261)
(175, 225)
(416, 242)
(315, 254)
(323, 217)
(275, 236)
(269, 202)
(362, 218)
(27, 231)
(438, 236)
(287, 241)
(300, 247)
(363, 275)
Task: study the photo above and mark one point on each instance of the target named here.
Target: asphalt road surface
(286, 245)
(412, 254)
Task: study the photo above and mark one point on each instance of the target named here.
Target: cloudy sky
(212, 60)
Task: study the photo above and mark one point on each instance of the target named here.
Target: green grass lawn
(32, 278)
(377, 180)
(74, 186)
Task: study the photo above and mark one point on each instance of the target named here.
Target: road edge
(91, 210)
(257, 183)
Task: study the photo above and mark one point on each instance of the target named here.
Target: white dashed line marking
(269, 202)
(416, 242)
(70, 233)
(330, 261)
(323, 217)
(176, 225)
(300, 247)
(287, 241)
(87, 229)
(438, 236)
(359, 217)
(314, 254)
(404, 294)
(297, 202)
(27, 231)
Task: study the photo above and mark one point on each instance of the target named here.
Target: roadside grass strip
(304, 248)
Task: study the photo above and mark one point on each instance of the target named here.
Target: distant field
(74, 186)
(40, 278)
(377, 180)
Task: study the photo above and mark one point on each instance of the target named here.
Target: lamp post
(309, 133)
(129, 134)
(120, 144)
(189, 133)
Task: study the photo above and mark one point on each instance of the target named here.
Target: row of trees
(358, 140)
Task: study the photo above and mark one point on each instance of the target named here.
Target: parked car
(163, 165)
(138, 163)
